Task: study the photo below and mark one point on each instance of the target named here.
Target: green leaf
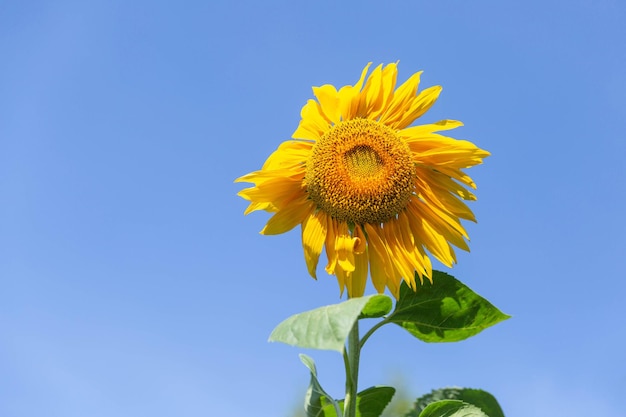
(328, 410)
(369, 403)
(452, 408)
(323, 328)
(477, 397)
(316, 398)
(377, 306)
(446, 311)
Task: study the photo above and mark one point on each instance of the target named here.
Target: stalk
(352, 371)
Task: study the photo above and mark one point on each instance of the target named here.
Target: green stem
(352, 371)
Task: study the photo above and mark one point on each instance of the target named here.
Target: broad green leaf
(377, 306)
(477, 397)
(452, 408)
(315, 397)
(446, 311)
(323, 328)
(369, 403)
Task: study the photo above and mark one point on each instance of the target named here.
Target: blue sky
(130, 282)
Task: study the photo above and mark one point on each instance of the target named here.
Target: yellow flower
(374, 192)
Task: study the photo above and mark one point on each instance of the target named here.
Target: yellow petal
(349, 97)
(262, 176)
(439, 245)
(378, 91)
(313, 123)
(276, 191)
(306, 131)
(401, 100)
(447, 224)
(344, 246)
(460, 176)
(360, 242)
(401, 259)
(357, 280)
(290, 154)
(441, 181)
(329, 244)
(288, 217)
(359, 83)
(419, 105)
(381, 267)
(370, 96)
(341, 279)
(441, 151)
(426, 129)
(430, 238)
(313, 237)
(439, 196)
(339, 249)
(411, 248)
(394, 288)
(266, 206)
(329, 102)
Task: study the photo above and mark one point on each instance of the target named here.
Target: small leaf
(323, 328)
(370, 402)
(316, 398)
(446, 311)
(477, 397)
(377, 306)
(452, 408)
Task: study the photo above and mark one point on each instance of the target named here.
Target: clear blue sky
(132, 285)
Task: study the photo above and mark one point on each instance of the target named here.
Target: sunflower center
(360, 171)
(362, 162)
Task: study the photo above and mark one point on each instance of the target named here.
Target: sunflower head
(380, 196)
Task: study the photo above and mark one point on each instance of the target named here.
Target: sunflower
(380, 196)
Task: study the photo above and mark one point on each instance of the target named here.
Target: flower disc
(360, 172)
